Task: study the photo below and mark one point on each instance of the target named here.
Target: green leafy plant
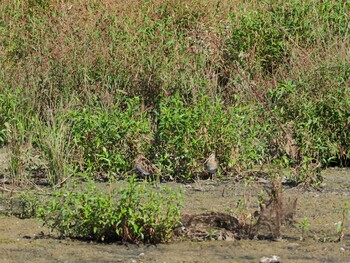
(109, 140)
(22, 205)
(135, 213)
(304, 227)
(340, 226)
(187, 133)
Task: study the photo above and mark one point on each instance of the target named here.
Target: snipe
(144, 167)
(212, 164)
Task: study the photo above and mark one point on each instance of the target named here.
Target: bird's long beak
(210, 156)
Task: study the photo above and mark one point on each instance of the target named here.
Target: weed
(134, 214)
(340, 226)
(304, 227)
(109, 140)
(22, 205)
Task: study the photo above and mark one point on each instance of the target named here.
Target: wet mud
(26, 240)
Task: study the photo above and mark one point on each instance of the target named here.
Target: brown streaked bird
(144, 167)
(212, 164)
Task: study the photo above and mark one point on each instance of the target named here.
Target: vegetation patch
(135, 213)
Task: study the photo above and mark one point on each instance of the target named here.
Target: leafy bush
(135, 213)
(10, 103)
(319, 116)
(109, 139)
(255, 42)
(188, 132)
(22, 204)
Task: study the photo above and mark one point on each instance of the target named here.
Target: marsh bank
(28, 241)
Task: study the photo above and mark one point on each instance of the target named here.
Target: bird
(212, 164)
(140, 168)
(144, 167)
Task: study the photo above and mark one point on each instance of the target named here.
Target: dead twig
(63, 181)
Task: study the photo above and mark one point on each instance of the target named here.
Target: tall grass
(88, 85)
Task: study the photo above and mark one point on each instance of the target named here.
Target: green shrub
(256, 41)
(135, 213)
(109, 139)
(319, 115)
(188, 132)
(10, 102)
(22, 204)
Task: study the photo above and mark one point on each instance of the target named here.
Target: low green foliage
(304, 227)
(135, 213)
(107, 140)
(317, 117)
(187, 133)
(345, 215)
(22, 205)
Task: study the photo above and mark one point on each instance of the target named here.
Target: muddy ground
(22, 240)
